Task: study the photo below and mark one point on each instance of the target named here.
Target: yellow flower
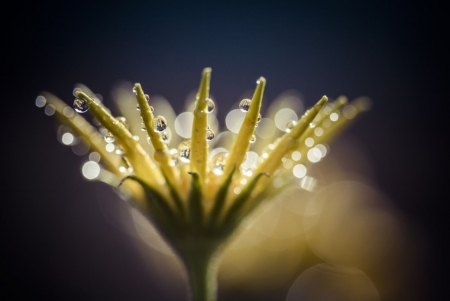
(195, 200)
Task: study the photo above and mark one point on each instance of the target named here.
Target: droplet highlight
(160, 123)
(184, 151)
(210, 105)
(80, 105)
(244, 105)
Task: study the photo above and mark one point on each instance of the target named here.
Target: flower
(195, 200)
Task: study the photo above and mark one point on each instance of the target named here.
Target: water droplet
(80, 105)
(165, 136)
(210, 105)
(252, 139)
(109, 137)
(160, 123)
(119, 150)
(134, 90)
(244, 105)
(148, 101)
(184, 151)
(210, 134)
(175, 158)
(143, 128)
(259, 118)
(123, 121)
(290, 125)
(218, 162)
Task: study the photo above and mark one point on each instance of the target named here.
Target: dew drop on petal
(252, 139)
(210, 134)
(210, 105)
(165, 136)
(123, 121)
(184, 151)
(143, 128)
(290, 125)
(175, 157)
(80, 105)
(218, 162)
(244, 105)
(160, 123)
(119, 150)
(259, 118)
(134, 90)
(109, 137)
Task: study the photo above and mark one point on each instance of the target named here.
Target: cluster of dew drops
(182, 153)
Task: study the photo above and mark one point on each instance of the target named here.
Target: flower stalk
(198, 203)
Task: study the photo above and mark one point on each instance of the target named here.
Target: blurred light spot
(110, 147)
(216, 151)
(288, 164)
(237, 190)
(309, 141)
(266, 128)
(314, 155)
(283, 116)
(308, 183)
(334, 116)
(277, 182)
(40, 101)
(349, 112)
(136, 137)
(81, 147)
(299, 171)
(90, 170)
(329, 282)
(296, 155)
(68, 112)
(49, 110)
(183, 124)
(94, 156)
(243, 181)
(234, 120)
(318, 131)
(74, 92)
(322, 149)
(67, 138)
(251, 160)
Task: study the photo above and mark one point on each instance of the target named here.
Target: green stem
(202, 269)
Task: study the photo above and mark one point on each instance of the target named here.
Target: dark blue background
(390, 51)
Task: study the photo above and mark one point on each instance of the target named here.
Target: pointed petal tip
(261, 80)
(207, 71)
(323, 100)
